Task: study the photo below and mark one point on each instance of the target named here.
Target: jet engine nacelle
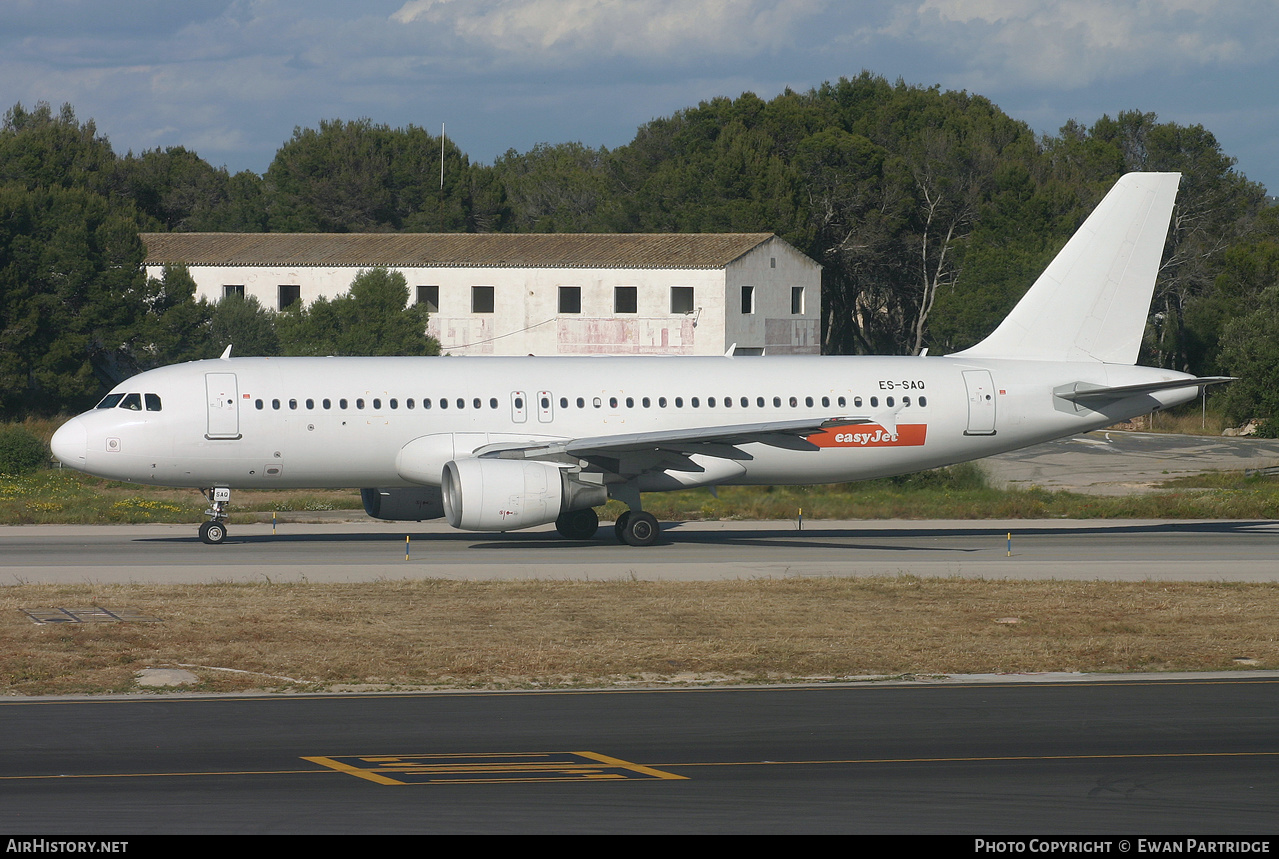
(508, 494)
(404, 505)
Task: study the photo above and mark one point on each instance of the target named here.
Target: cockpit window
(132, 401)
(110, 401)
(153, 402)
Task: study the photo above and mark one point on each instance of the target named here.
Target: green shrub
(20, 451)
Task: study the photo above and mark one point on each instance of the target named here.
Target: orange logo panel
(871, 435)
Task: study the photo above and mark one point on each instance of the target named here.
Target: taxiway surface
(1195, 755)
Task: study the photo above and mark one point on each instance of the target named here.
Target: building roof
(454, 250)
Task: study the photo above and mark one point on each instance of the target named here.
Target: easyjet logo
(871, 435)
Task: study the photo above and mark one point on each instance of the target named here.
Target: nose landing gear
(213, 532)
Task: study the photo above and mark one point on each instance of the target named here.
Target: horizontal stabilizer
(1082, 392)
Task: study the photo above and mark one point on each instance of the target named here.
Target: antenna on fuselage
(226, 353)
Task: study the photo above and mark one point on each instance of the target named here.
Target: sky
(232, 79)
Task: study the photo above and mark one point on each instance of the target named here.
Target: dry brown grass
(430, 634)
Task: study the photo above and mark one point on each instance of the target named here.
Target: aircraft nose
(70, 444)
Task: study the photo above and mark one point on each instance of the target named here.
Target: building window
(797, 300)
(681, 299)
(570, 299)
(233, 289)
(626, 299)
(748, 299)
(289, 295)
(429, 296)
(481, 299)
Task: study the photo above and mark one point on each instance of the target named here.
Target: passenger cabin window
(481, 299)
(570, 299)
(625, 299)
(429, 297)
(289, 295)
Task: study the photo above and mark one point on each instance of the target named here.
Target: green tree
(371, 319)
(1251, 352)
(245, 325)
(39, 149)
(183, 192)
(72, 293)
(175, 326)
(361, 177)
(556, 188)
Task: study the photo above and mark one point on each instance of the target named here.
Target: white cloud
(565, 32)
(1072, 43)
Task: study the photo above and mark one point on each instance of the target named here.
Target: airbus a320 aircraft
(498, 444)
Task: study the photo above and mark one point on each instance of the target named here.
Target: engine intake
(506, 494)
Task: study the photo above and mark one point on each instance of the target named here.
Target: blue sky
(230, 79)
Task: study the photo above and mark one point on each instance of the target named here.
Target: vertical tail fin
(1091, 303)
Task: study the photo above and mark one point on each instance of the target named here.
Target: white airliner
(498, 444)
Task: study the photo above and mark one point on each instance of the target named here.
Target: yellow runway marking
(489, 768)
(575, 766)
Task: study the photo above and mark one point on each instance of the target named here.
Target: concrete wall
(526, 318)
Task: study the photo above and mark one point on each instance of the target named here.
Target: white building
(521, 294)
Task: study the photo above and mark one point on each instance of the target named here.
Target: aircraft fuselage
(334, 422)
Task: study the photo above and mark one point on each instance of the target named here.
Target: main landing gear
(633, 527)
(213, 532)
(637, 528)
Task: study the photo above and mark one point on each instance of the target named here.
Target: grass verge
(447, 634)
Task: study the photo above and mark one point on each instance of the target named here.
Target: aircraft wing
(635, 453)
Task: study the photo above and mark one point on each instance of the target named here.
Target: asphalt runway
(1192, 756)
(370, 551)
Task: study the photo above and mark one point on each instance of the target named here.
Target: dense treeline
(930, 212)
